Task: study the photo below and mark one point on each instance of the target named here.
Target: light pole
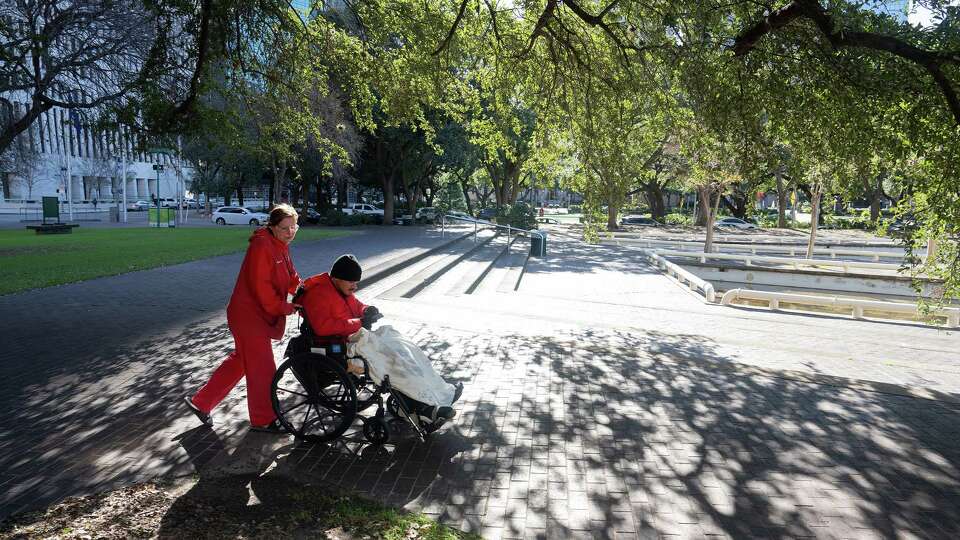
(159, 168)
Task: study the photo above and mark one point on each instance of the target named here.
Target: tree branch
(453, 29)
(812, 10)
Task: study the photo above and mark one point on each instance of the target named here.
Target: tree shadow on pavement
(592, 432)
(654, 434)
(99, 422)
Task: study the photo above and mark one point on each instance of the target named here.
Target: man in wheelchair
(332, 309)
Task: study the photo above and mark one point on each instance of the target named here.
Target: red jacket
(259, 304)
(329, 312)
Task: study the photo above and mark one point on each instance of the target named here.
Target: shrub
(519, 214)
(676, 218)
(333, 217)
(352, 220)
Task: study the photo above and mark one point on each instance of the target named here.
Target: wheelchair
(316, 399)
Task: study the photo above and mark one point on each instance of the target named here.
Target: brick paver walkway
(599, 434)
(90, 373)
(602, 401)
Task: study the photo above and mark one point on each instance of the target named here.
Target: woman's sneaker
(202, 416)
(274, 427)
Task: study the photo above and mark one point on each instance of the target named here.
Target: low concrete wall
(809, 280)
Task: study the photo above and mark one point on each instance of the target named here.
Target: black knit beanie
(346, 268)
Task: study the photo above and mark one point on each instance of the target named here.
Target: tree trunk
(466, 195)
(612, 218)
(240, 189)
(875, 208)
(703, 209)
(709, 212)
(653, 192)
(814, 217)
(781, 200)
(386, 183)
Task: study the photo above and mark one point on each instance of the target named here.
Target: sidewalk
(602, 401)
(91, 373)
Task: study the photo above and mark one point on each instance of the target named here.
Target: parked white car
(736, 223)
(363, 208)
(237, 215)
(138, 206)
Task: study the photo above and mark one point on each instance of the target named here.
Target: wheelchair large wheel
(313, 397)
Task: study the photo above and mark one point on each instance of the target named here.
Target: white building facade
(88, 169)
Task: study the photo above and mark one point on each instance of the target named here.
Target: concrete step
(392, 276)
(504, 273)
(434, 267)
(406, 259)
(468, 272)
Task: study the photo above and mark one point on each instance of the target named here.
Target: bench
(53, 228)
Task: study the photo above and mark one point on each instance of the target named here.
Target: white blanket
(389, 353)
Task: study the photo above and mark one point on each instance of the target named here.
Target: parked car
(363, 208)
(457, 213)
(639, 220)
(428, 214)
(487, 214)
(311, 216)
(138, 206)
(237, 215)
(735, 223)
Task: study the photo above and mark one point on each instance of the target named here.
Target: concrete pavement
(602, 401)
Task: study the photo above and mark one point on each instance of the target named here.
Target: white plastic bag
(389, 353)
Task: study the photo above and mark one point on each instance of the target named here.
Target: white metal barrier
(856, 305)
(792, 250)
(796, 263)
(683, 276)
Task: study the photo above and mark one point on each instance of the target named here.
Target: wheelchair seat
(316, 398)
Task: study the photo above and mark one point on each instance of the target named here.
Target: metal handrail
(510, 230)
(857, 305)
(792, 249)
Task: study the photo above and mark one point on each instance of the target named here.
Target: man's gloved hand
(370, 315)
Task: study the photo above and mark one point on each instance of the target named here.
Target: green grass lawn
(30, 261)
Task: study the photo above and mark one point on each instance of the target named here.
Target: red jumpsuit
(329, 312)
(256, 314)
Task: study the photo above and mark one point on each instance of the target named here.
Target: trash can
(114, 214)
(538, 245)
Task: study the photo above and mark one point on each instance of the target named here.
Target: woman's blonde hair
(281, 212)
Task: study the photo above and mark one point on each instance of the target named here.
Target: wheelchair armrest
(334, 346)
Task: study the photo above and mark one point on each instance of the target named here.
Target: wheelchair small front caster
(376, 430)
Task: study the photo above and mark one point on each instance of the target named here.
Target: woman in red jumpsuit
(256, 314)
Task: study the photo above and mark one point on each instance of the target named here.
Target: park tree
(79, 54)
(23, 164)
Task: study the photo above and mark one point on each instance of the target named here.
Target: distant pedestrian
(256, 314)
(94, 203)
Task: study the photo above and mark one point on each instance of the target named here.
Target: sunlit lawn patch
(29, 261)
